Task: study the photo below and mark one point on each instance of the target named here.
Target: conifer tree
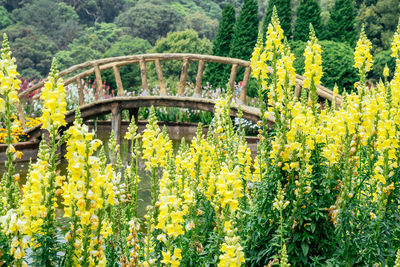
(216, 73)
(340, 27)
(308, 12)
(246, 31)
(284, 9)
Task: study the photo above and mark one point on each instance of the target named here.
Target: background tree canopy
(79, 30)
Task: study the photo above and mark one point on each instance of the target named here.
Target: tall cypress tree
(340, 26)
(308, 12)
(284, 10)
(246, 31)
(216, 73)
(245, 35)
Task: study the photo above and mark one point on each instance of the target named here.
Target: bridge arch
(115, 105)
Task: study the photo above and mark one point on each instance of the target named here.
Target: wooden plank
(80, 91)
(184, 72)
(143, 75)
(246, 79)
(21, 115)
(99, 82)
(199, 78)
(118, 81)
(163, 89)
(232, 78)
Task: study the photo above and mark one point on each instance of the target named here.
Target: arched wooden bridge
(117, 104)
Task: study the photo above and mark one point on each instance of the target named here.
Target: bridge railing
(77, 73)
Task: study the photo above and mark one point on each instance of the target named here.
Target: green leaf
(304, 248)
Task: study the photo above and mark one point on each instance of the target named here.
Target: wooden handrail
(97, 66)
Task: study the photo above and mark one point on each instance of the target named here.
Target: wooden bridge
(117, 104)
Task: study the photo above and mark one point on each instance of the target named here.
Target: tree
(10, 5)
(149, 21)
(5, 20)
(92, 44)
(380, 21)
(284, 10)
(309, 12)
(216, 73)
(337, 63)
(58, 21)
(382, 59)
(33, 51)
(202, 24)
(94, 11)
(246, 31)
(181, 42)
(340, 26)
(245, 34)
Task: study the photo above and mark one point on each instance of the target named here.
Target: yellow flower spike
(362, 55)
(53, 95)
(256, 62)
(386, 71)
(313, 61)
(396, 42)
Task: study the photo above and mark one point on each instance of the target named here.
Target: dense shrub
(337, 63)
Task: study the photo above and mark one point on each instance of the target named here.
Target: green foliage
(284, 10)
(181, 42)
(4, 18)
(202, 24)
(337, 63)
(341, 24)
(308, 13)
(380, 21)
(246, 31)
(128, 46)
(10, 5)
(56, 20)
(95, 11)
(149, 21)
(382, 59)
(130, 75)
(92, 44)
(33, 51)
(217, 74)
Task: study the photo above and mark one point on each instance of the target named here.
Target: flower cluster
(54, 107)
(87, 194)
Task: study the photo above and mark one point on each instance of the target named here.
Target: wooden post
(99, 82)
(21, 114)
(297, 90)
(80, 91)
(163, 89)
(182, 81)
(143, 75)
(118, 81)
(232, 78)
(199, 79)
(116, 122)
(246, 78)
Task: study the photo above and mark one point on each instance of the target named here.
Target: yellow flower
(362, 55)
(313, 62)
(54, 106)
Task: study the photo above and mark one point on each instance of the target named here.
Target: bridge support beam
(116, 122)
